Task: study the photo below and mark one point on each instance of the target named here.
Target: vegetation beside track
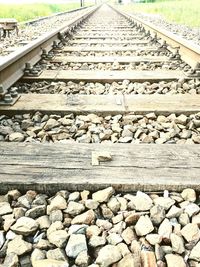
(23, 12)
(179, 11)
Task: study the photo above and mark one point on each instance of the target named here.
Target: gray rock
(82, 259)
(56, 254)
(5, 208)
(25, 226)
(75, 245)
(54, 227)
(74, 208)
(77, 229)
(144, 226)
(58, 238)
(51, 123)
(96, 241)
(191, 209)
(16, 137)
(195, 253)
(24, 202)
(11, 260)
(177, 243)
(114, 205)
(38, 254)
(5, 130)
(19, 246)
(91, 204)
(165, 229)
(19, 212)
(56, 215)
(128, 235)
(114, 239)
(140, 202)
(84, 218)
(57, 203)
(184, 219)
(36, 212)
(108, 255)
(14, 194)
(93, 230)
(103, 195)
(182, 119)
(174, 212)
(44, 222)
(75, 196)
(191, 232)
(154, 239)
(164, 202)
(157, 214)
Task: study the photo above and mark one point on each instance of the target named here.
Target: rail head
(12, 66)
(189, 51)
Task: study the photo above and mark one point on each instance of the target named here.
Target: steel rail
(189, 52)
(12, 66)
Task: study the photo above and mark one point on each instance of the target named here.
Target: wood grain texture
(109, 48)
(106, 36)
(105, 104)
(53, 167)
(110, 59)
(122, 42)
(108, 76)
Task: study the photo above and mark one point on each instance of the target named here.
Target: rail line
(129, 89)
(92, 114)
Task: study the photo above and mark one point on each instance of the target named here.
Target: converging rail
(98, 109)
(119, 79)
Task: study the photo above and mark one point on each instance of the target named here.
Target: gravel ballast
(125, 87)
(91, 128)
(100, 229)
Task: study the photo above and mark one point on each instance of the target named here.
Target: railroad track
(105, 101)
(117, 79)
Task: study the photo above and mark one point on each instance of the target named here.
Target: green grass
(23, 12)
(185, 12)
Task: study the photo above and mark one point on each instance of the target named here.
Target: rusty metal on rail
(12, 66)
(189, 52)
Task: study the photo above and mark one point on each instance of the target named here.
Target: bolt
(8, 98)
(28, 66)
(13, 92)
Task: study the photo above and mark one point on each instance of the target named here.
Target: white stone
(195, 253)
(165, 229)
(103, 195)
(144, 226)
(174, 260)
(141, 202)
(177, 243)
(165, 202)
(189, 194)
(25, 226)
(18, 246)
(75, 245)
(154, 239)
(191, 232)
(108, 255)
